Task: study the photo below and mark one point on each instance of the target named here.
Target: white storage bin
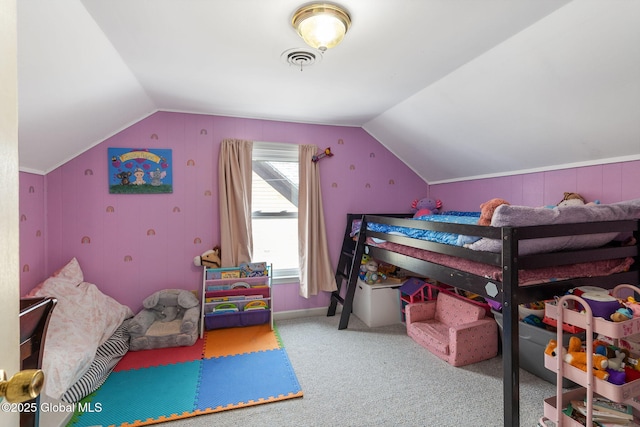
(379, 304)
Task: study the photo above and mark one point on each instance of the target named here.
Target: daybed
(520, 269)
(86, 336)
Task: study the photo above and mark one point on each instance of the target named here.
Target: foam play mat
(228, 369)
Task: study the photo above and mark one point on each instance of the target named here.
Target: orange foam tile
(233, 341)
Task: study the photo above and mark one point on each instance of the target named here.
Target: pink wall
(608, 183)
(133, 245)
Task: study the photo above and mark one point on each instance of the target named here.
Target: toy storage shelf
(229, 302)
(590, 384)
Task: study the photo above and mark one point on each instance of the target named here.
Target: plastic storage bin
(533, 341)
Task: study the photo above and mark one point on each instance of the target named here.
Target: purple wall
(133, 245)
(608, 183)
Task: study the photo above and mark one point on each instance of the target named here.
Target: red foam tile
(160, 356)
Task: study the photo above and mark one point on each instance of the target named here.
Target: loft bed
(521, 266)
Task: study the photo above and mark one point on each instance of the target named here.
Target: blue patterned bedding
(456, 217)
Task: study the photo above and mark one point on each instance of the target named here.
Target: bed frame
(506, 292)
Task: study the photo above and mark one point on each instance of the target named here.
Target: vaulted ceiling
(455, 88)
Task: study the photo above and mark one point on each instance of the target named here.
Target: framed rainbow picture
(140, 171)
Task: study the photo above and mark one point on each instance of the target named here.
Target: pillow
(520, 216)
(70, 275)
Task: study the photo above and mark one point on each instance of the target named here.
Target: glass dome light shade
(321, 26)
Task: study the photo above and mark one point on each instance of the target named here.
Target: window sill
(284, 280)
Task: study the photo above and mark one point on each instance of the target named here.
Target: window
(274, 200)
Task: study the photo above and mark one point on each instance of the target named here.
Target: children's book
(601, 416)
(606, 405)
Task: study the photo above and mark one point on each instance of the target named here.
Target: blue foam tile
(230, 381)
(142, 394)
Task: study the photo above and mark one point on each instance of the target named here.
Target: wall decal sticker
(197, 241)
(340, 141)
(140, 171)
(86, 239)
(110, 209)
(128, 258)
(191, 162)
(154, 136)
(88, 172)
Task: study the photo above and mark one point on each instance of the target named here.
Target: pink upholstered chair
(453, 329)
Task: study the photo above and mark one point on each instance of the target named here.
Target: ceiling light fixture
(321, 25)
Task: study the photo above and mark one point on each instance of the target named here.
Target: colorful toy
(487, 208)
(425, 206)
(326, 153)
(369, 273)
(210, 258)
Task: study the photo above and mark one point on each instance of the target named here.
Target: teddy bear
(426, 206)
(487, 208)
(210, 258)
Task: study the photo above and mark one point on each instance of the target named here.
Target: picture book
(606, 405)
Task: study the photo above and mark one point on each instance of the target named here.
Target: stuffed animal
(552, 349)
(632, 305)
(622, 314)
(571, 199)
(210, 258)
(578, 358)
(487, 208)
(574, 199)
(617, 363)
(425, 206)
(170, 304)
(369, 273)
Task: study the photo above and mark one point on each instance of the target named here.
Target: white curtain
(316, 273)
(234, 182)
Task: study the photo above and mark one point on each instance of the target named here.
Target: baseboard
(308, 312)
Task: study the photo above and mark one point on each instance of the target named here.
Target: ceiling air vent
(301, 57)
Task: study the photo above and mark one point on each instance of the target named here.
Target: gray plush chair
(169, 319)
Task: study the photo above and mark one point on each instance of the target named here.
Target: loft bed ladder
(349, 267)
(347, 270)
